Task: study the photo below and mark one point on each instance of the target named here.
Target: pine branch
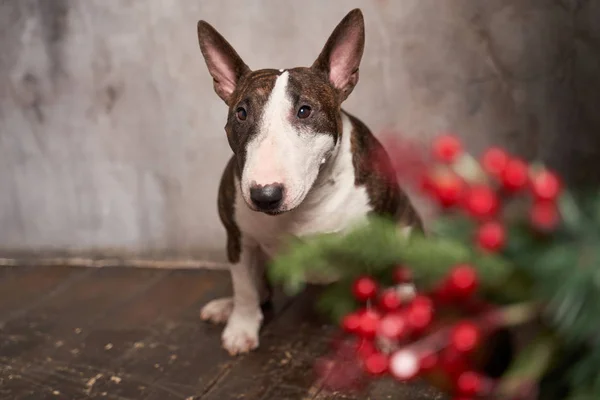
(376, 247)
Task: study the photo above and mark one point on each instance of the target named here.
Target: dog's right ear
(224, 64)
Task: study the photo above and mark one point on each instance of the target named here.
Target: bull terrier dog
(301, 165)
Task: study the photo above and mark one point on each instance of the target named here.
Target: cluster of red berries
(397, 332)
(394, 332)
(507, 177)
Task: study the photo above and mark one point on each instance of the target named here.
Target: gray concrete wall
(111, 137)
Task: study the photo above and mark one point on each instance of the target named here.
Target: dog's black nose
(267, 197)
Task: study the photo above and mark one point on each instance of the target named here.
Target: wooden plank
(144, 315)
(6, 272)
(135, 334)
(22, 287)
(286, 393)
(391, 389)
(125, 352)
(19, 382)
(235, 389)
(189, 358)
(66, 317)
(386, 389)
(324, 395)
(33, 340)
(155, 335)
(186, 360)
(284, 360)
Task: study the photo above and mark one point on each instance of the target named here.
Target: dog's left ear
(340, 58)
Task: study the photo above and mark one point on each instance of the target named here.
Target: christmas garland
(508, 285)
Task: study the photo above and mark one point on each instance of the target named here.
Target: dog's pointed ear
(224, 64)
(340, 58)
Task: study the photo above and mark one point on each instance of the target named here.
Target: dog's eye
(304, 112)
(241, 114)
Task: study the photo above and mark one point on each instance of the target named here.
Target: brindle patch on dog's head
(252, 94)
(284, 124)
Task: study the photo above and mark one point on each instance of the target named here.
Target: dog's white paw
(241, 333)
(217, 311)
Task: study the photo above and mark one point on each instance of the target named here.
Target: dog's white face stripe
(284, 153)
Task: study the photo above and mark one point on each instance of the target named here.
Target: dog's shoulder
(226, 206)
(370, 160)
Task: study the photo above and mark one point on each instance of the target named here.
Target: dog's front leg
(241, 332)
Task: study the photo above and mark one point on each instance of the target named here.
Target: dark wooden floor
(129, 333)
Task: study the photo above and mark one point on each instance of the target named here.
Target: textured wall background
(111, 137)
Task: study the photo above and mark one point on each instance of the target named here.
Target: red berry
(364, 288)
(404, 365)
(491, 236)
(365, 348)
(446, 148)
(392, 326)
(448, 189)
(443, 293)
(452, 362)
(369, 323)
(402, 274)
(363, 310)
(429, 361)
(515, 175)
(465, 337)
(469, 383)
(376, 364)
(546, 186)
(422, 301)
(463, 281)
(544, 215)
(426, 183)
(351, 323)
(389, 300)
(494, 161)
(420, 314)
(481, 201)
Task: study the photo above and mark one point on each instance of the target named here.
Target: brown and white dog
(300, 165)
